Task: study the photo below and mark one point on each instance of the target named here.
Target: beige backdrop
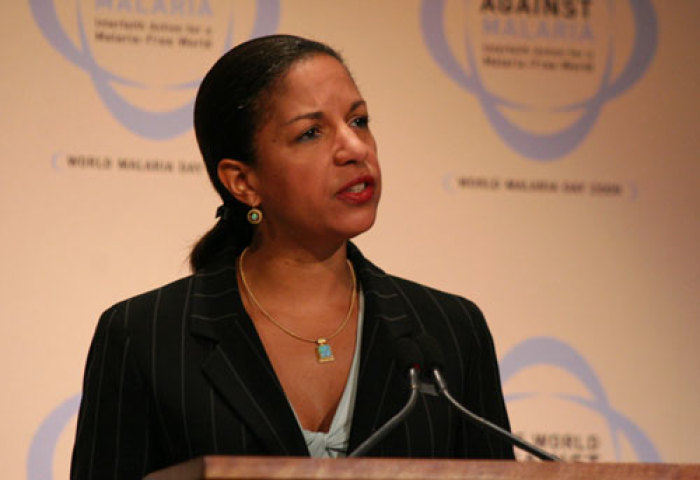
(549, 173)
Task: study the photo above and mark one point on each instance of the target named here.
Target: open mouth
(357, 188)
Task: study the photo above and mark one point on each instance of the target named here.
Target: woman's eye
(360, 122)
(309, 134)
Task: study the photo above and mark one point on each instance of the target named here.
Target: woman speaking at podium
(280, 343)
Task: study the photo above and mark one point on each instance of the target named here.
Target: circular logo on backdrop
(45, 440)
(581, 424)
(146, 57)
(542, 70)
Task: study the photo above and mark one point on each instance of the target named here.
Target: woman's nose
(350, 146)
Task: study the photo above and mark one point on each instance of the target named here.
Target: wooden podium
(296, 468)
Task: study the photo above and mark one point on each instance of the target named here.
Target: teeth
(357, 188)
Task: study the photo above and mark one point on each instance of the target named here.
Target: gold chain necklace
(324, 353)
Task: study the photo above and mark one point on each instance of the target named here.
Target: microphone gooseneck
(435, 363)
(408, 358)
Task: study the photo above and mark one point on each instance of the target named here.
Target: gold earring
(254, 216)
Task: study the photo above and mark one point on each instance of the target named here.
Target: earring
(255, 215)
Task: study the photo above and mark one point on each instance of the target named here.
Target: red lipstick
(357, 191)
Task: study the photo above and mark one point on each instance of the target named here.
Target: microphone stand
(394, 421)
(488, 426)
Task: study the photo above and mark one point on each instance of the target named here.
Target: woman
(278, 344)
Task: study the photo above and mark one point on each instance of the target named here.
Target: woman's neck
(276, 270)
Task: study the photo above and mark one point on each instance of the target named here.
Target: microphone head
(431, 351)
(407, 354)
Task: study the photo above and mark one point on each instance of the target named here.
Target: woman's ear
(239, 180)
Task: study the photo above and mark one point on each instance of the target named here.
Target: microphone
(409, 359)
(435, 362)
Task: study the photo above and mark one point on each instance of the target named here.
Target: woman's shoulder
(133, 313)
(413, 292)
(169, 303)
(439, 303)
(150, 298)
(415, 288)
(457, 323)
(434, 310)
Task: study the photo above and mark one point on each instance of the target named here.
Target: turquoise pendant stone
(324, 353)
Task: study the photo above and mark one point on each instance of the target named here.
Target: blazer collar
(241, 372)
(238, 366)
(382, 390)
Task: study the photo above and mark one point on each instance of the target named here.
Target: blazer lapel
(382, 390)
(237, 365)
(239, 370)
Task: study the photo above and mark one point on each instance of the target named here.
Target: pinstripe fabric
(180, 372)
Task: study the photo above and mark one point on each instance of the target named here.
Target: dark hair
(229, 109)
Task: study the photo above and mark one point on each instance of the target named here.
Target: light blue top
(334, 443)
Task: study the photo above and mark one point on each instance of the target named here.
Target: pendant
(324, 353)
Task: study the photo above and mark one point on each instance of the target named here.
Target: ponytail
(231, 231)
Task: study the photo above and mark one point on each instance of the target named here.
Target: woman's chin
(359, 227)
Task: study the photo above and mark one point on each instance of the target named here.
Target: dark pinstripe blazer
(180, 372)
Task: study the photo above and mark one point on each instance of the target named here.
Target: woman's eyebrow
(356, 105)
(317, 115)
(304, 116)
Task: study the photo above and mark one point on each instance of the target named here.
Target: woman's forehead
(315, 81)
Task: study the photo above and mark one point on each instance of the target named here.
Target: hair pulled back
(229, 110)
